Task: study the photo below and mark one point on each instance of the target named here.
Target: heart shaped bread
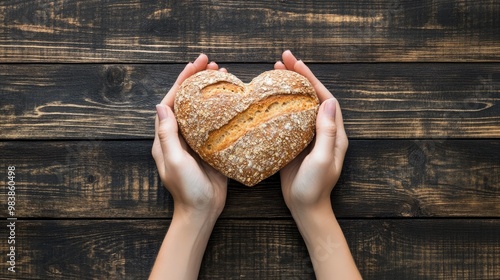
(247, 131)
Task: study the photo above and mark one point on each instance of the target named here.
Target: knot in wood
(417, 157)
(117, 84)
(115, 76)
(91, 179)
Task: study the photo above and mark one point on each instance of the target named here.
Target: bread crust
(279, 110)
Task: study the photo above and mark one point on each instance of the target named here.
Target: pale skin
(199, 191)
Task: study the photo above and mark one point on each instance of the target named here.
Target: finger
(326, 132)
(156, 150)
(339, 120)
(322, 92)
(201, 62)
(190, 69)
(168, 99)
(213, 66)
(288, 59)
(341, 141)
(289, 171)
(168, 133)
(279, 66)
(157, 153)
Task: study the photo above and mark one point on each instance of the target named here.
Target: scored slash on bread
(247, 131)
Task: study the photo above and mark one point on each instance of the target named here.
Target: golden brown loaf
(247, 131)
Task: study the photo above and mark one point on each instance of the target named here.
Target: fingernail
(162, 113)
(330, 108)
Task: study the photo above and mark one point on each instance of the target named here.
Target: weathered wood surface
(381, 178)
(419, 194)
(250, 31)
(259, 249)
(61, 101)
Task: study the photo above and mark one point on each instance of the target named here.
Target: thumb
(326, 131)
(168, 132)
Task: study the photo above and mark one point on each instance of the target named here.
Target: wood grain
(381, 178)
(421, 100)
(249, 31)
(258, 249)
(419, 86)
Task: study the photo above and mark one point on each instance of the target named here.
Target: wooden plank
(257, 249)
(85, 179)
(67, 101)
(425, 249)
(381, 178)
(249, 31)
(81, 100)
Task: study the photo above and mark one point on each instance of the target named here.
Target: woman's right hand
(308, 180)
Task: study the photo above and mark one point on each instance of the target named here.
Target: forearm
(326, 243)
(182, 249)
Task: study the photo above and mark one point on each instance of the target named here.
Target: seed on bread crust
(247, 131)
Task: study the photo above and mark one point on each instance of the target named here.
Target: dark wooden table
(418, 81)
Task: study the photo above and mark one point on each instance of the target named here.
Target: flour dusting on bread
(247, 131)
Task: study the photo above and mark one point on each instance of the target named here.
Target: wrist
(320, 208)
(312, 215)
(193, 216)
(326, 244)
(182, 250)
